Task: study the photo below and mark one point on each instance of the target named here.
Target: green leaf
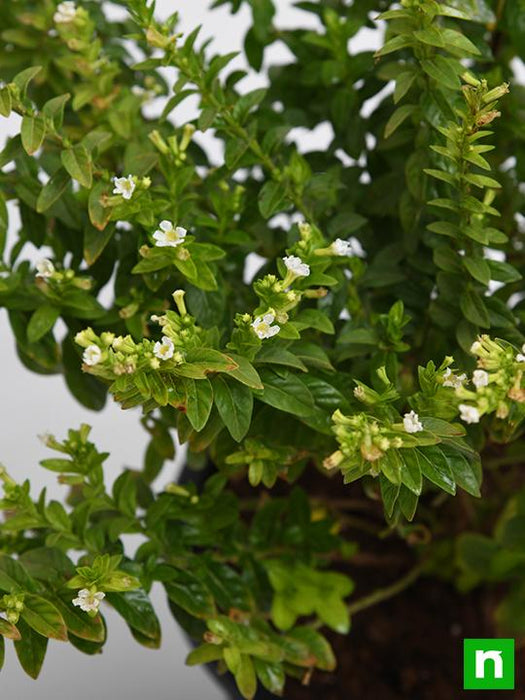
(411, 475)
(408, 503)
(5, 102)
(136, 609)
(442, 70)
(435, 467)
(404, 82)
(234, 402)
(199, 401)
(41, 322)
(474, 309)
(271, 675)
(52, 190)
(4, 223)
(44, 618)
(31, 649)
(398, 117)
(14, 577)
(272, 199)
(321, 651)
(245, 372)
(99, 215)
(287, 393)
(22, 79)
(466, 472)
(53, 109)
(478, 268)
(314, 318)
(33, 131)
(190, 593)
(204, 654)
(7, 629)
(77, 161)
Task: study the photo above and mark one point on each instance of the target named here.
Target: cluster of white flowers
(125, 186)
(65, 12)
(295, 265)
(453, 380)
(45, 268)
(164, 349)
(92, 355)
(89, 601)
(169, 235)
(411, 422)
(263, 326)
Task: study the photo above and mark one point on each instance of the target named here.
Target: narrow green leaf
(41, 322)
(33, 130)
(442, 70)
(398, 117)
(30, 649)
(474, 309)
(44, 618)
(234, 402)
(199, 401)
(478, 268)
(77, 161)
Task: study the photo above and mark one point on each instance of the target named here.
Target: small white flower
(263, 326)
(411, 422)
(297, 266)
(480, 378)
(475, 347)
(92, 355)
(88, 601)
(469, 414)
(45, 268)
(347, 248)
(124, 186)
(169, 235)
(65, 13)
(164, 349)
(453, 380)
(520, 357)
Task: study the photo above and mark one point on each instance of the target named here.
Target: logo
(488, 664)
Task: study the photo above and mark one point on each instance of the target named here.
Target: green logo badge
(488, 664)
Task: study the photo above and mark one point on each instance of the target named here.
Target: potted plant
(336, 335)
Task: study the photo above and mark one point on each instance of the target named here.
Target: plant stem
(381, 594)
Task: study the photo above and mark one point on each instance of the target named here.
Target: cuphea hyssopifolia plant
(341, 336)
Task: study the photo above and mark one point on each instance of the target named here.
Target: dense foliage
(355, 311)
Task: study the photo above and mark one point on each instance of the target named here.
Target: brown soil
(409, 647)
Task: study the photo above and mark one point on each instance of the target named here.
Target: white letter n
(482, 657)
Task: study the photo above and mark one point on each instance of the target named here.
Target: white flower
(480, 378)
(263, 326)
(92, 355)
(45, 268)
(520, 357)
(124, 186)
(164, 349)
(453, 380)
(347, 248)
(88, 601)
(411, 422)
(65, 12)
(475, 347)
(168, 235)
(297, 266)
(469, 414)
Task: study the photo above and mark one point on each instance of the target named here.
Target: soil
(409, 647)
